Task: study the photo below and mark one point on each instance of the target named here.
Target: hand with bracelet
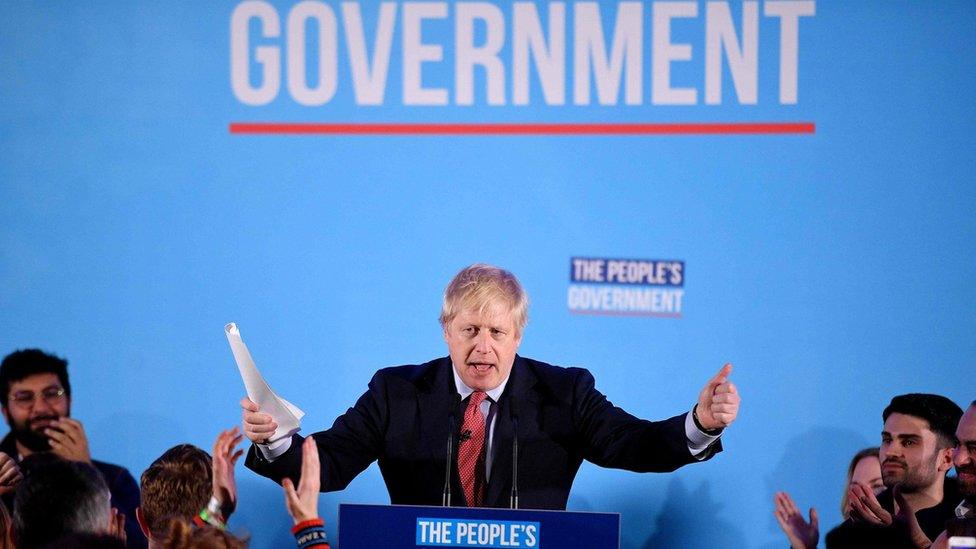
(303, 503)
(225, 456)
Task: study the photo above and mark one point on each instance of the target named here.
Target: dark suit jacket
(403, 422)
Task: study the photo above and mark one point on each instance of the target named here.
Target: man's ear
(6, 414)
(142, 522)
(945, 460)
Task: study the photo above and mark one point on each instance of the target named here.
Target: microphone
(513, 412)
(464, 436)
(446, 496)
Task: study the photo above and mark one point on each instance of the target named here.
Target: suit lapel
(519, 388)
(435, 395)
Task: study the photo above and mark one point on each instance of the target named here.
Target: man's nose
(482, 343)
(894, 449)
(961, 456)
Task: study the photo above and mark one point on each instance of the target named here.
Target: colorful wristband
(310, 533)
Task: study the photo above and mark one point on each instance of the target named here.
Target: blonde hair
(863, 454)
(480, 287)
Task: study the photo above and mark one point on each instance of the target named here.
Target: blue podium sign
(409, 527)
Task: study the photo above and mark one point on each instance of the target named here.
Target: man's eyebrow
(910, 436)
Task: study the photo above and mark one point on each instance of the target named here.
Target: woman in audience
(865, 469)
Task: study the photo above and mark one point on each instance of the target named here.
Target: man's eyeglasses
(51, 395)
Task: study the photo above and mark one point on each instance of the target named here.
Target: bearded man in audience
(35, 396)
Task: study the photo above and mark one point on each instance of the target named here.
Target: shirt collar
(465, 391)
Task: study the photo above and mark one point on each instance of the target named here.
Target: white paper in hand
(285, 414)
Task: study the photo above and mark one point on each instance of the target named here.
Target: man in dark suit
(410, 413)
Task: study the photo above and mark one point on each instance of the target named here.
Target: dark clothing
(124, 490)
(931, 519)
(403, 422)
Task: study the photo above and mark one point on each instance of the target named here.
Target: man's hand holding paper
(258, 426)
(267, 417)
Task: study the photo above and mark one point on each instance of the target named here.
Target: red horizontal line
(684, 128)
(624, 313)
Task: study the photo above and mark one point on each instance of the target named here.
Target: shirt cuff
(275, 449)
(698, 441)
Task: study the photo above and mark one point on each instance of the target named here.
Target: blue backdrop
(833, 267)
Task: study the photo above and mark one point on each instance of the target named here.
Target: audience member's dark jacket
(124, 489)
(932, 520)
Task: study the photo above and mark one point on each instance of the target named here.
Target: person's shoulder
(413, 376)
(559, 379)
(113, 473)
(410, 372)
(544, 369)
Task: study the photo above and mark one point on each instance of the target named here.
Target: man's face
(483, 346)
(964, 456)
(32, 404)
(909, 455)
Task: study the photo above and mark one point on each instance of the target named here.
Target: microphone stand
(514, 498)
(446, 495)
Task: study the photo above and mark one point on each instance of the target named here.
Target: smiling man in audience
(35, 395)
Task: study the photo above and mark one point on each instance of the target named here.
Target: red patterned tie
(471, 452)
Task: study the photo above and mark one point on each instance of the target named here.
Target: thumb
(721, 376)
(814, 519)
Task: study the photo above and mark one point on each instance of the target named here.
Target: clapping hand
(225, 456)
(802, 534)
(303, 503)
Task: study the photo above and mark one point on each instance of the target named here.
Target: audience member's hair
(867, 452)
(86, 541)
(182, 535)
(57, 498)
(27, 362)
(177, 484)
(941, 414)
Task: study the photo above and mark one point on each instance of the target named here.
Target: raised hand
(68, 440)
(906, 515)
(225, 456)
(10, 475)
(718, 402)
(865, 506)
(303, 503)
(802, 534)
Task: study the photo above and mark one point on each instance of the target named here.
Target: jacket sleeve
(346, 449)
(614, 438)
